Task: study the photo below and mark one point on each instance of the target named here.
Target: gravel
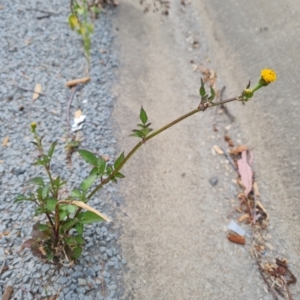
(46, 51)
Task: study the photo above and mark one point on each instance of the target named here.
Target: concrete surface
(173, 222)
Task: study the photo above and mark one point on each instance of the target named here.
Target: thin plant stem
(150, 136)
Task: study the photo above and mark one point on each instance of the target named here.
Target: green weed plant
(61, 237)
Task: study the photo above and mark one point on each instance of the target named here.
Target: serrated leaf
(50, 204)
(79, 227)
(76, 193)
(119, 160)
(51, 149)
(88, 182)
(89, 217)
(76, 252)
(36, 181)
(202, 89)
(88, 156)
(143, 116)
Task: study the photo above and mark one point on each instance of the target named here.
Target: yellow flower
(268, 75)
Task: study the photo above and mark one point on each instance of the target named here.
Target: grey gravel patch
(46, 51)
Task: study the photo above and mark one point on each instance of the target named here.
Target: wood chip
(37, 91)
(218, 149)
(77, 114)
(243, 218)
(5, 141)
(8, 291)
(74, 82)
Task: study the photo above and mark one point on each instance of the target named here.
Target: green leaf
(96, 10)
(80, 10)
(88, 156)
(71, 208)
(62, 214)
(202, 89)
(109, 169)
(146, 131)
(43, 227)
(40, 210)
(101, 164)
(45, 191)
(70, 240)
(79, 239)
(79, 227)
(51, 149)
(212, 96)
(143, 116)
(119, 175)
(57, 183)
(137, 133)
(90, 28)
(119, 160)
(89, 217)
(36, 181)
(20, 198)
(76, 252)
(88, 182)
(94, 171)
(50, 204)
(39, 192)
(76, 193)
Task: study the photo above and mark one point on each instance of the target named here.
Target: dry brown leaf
(73, 82)
(218, 149)
(77, 114)
(37, 91)
(239, 149)
(5, 141)
(245, 172)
